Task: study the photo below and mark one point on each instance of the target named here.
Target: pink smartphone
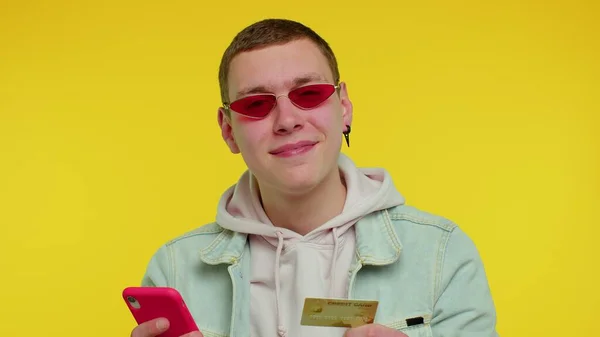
(148, 303)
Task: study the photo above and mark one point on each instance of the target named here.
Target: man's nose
(288, 117)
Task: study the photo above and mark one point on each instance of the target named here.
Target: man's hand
(373, 330)
(155, 327)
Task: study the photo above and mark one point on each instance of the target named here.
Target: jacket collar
(227, 247)
(376, 240)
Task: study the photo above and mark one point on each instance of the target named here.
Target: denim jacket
(425, 272)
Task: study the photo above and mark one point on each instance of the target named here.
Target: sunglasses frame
(227, 106)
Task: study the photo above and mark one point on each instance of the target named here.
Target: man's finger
(151, 328)
(373, 330)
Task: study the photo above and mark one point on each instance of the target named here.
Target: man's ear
(227, 130)
(346, 105)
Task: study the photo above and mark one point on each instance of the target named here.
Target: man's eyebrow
(307, 78)
(296, 82)
(251, 90)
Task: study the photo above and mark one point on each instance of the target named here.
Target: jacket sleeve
(159, 272)
(464, 305)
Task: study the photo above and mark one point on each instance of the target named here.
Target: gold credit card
(338, 312)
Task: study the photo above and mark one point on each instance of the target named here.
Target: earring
(347, 135)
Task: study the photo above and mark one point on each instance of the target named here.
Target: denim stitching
(440, 265)
(353, 273)
(441, 223)
(224, 257)
(234, 297)
(212, 245)
(390, 231)
(445, 225)
(203, 230)
(401, 324)
(215, 242)
(375, 260)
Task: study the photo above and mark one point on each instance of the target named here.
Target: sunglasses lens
(257, 106)
(310, 96)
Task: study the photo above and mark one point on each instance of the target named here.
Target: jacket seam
(391, 232)
(445, 224)
(440, 267)
(171, 259)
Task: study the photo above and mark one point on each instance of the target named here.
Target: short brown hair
(270, 32)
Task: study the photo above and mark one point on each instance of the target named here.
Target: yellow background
(484, 112)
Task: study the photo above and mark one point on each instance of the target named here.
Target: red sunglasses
(306, 97)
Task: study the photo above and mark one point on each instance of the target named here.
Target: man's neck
(302, 214)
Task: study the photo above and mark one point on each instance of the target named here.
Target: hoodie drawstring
(280, 328)
(333, 261)
(281, 331)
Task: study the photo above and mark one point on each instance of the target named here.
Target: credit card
(338, 312)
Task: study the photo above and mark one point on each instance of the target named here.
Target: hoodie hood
(367, 190)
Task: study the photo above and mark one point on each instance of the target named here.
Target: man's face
(313, 137)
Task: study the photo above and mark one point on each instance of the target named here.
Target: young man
(305, 222)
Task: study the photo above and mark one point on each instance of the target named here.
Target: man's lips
(292, 146)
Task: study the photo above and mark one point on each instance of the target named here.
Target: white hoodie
(287, 267)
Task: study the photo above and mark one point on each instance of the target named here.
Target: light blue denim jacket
(416, 264)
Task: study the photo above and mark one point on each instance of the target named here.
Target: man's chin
(298, 184)
(300, 181)
(293, 180)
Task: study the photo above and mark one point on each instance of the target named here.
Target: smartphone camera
(134, 303)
